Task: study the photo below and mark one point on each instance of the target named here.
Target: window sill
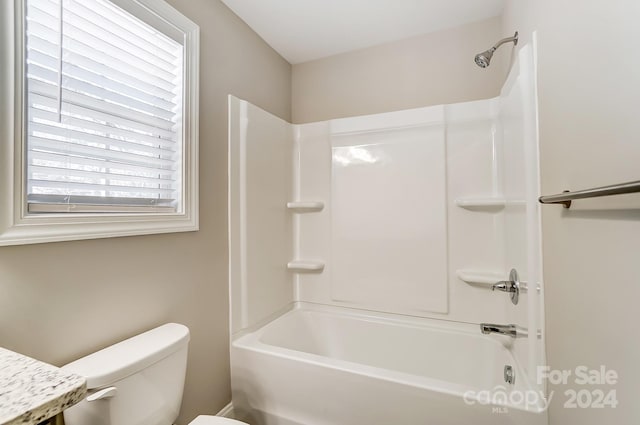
(57, 229)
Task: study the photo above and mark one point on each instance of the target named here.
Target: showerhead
(484, 59)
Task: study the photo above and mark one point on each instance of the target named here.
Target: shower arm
(506, 40)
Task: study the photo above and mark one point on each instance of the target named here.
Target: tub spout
(490, 328)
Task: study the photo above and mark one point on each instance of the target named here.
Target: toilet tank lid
(130, 356)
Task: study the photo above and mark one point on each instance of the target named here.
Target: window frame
(17, 226)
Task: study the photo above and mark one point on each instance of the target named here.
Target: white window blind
(104, 105)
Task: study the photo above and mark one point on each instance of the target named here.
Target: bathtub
(323, 365)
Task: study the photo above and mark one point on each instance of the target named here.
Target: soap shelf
(480, 278)
(305, 266)
(481, 204)
(305, 206)
(493, 204)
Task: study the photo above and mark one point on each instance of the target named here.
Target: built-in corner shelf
(479, 277)
(305, 266)
(481, 204)
(489, 204)
(305, 206)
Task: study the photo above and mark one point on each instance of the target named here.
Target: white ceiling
(304, 30)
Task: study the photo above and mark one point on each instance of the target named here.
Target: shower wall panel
(389, 215)
(519, 160)
(261, 228)
(391, 234)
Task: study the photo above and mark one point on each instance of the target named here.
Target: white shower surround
(481, 224)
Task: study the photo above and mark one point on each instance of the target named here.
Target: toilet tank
(138, 381)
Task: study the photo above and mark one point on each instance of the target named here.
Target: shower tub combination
(346, 239)
(326, 365)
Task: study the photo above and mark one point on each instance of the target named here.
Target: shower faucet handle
(504, 286)
(511, 286)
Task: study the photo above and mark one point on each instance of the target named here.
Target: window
(106, 113)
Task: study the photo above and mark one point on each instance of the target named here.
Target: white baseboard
(227, 411)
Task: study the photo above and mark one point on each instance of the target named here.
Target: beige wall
(60, 301)
(432, 69)
(589, 127)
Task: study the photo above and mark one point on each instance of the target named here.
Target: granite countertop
(32, 391)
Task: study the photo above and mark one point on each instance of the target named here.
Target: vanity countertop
(32, 391)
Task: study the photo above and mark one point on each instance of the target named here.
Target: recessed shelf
(305, 206)
(305, 266)
(480, 277)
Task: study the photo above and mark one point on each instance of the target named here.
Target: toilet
(138, 381)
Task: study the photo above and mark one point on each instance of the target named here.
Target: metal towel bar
(566, 197)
